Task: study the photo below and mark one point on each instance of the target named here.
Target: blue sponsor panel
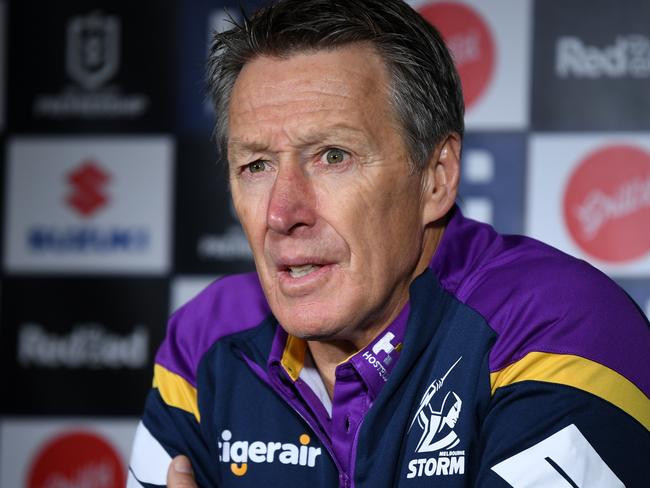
(198, 20)
(492, 180)
(639, 290)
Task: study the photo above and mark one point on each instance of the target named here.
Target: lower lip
(304, 285)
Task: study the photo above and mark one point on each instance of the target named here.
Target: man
(385, 339)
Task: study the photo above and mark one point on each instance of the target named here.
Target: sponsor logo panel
(592, 74)
(601, 205)
(102, 74)
(88, 205)
(471, 41)
(87, 348)
(489, 41)
(209, 238)
(65, 453)
(589, 195)
(492, 180)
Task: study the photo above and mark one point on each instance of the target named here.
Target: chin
(310, 327)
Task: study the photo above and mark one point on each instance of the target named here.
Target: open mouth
(303, 270)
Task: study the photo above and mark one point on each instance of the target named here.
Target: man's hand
(180, 474)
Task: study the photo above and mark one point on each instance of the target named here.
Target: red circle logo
(607, 203)
(470, 41)
(77, 459)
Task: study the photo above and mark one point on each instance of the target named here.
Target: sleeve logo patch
(564, 459)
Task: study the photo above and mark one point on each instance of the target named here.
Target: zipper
(272, 381)
(314, 427)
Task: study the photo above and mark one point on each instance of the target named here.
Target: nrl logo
(93, 49)
(93, 57)
(437, 419)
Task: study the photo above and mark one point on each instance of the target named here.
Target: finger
(180, 474)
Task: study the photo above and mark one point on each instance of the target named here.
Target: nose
(292, 202)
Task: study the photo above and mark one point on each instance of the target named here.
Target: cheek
(252, 216)
(392, 233)
(371, 214)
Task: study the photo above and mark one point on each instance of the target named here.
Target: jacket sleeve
(170, 425)
(562, 420)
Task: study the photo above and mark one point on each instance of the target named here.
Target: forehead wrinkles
(318, 67)
(319, 89)
(288, 104)
(256, 101)
(304, 125)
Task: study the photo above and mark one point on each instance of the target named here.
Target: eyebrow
(336, 131)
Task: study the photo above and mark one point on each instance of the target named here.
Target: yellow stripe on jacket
(176, 391)
(581, 373)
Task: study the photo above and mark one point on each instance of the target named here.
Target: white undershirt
(309, 374)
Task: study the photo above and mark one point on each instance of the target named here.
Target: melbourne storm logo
(437, 419)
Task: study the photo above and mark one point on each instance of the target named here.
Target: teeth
(300, 271)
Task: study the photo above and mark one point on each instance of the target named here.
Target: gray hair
(426, 93)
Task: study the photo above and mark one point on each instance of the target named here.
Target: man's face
(452, 416)
(323, 188)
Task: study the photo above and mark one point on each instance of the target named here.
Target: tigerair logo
(240, 453)
(437, 420)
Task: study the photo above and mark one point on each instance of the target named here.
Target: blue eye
(256, 166)
(335, 156)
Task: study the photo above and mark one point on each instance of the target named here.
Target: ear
(442, 177)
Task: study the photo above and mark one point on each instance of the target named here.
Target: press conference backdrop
(115, 210)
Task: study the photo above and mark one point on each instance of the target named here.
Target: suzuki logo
(87, 195)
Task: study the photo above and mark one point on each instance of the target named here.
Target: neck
(327, 355)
